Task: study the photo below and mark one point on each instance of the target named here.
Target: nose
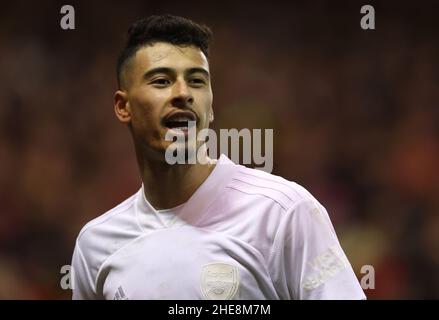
(182, 95)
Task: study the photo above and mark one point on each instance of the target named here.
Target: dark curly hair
(165, 28)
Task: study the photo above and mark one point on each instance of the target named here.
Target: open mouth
(180, 120)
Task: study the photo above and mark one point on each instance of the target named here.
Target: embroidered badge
(219, 281)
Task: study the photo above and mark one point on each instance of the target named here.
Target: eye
(197, 81)
(160, 82)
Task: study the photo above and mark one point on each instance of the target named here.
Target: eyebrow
(171, 71)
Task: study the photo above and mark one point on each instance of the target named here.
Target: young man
(200, 231)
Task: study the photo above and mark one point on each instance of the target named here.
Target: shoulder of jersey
(102, 224)
(257, 183)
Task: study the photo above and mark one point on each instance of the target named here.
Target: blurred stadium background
(354, 113)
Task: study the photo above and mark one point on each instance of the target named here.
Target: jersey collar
(202, 199)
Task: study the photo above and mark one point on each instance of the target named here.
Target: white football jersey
(244, 234)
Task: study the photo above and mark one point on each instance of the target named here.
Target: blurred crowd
(354, 114)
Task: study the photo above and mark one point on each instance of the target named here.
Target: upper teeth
(178, 119)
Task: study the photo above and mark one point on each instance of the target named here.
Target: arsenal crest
(219, 281)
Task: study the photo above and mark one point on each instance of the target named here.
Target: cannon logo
(219, 281)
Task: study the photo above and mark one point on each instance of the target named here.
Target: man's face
(166, 86)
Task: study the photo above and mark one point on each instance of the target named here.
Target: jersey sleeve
(83, 285)
(307, 260)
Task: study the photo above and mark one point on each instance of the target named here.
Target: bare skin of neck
(167, 186)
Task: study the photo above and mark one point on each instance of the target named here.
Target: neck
(167, 186)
